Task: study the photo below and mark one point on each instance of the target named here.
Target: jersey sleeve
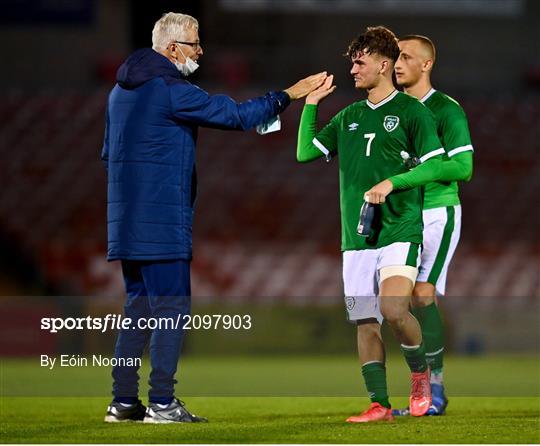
(458, 168)
(423, 133)
(426, 172)
(425, 141)
(312, 144)
(455, 133)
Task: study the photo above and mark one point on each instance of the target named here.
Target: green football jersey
(453, 131)
(369, 139)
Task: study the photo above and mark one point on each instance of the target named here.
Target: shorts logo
(349, 302)
(390, 123)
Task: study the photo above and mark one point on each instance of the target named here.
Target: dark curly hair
(377, 40)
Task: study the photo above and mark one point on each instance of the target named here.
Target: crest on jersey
(390, 123)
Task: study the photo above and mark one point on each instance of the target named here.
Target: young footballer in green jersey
(442, 210)
(379, 271)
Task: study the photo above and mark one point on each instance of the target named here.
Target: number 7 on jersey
(370, 137)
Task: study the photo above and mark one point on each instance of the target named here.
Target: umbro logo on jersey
(353, 126)
(390, 123)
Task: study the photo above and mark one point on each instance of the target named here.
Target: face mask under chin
(188, 67)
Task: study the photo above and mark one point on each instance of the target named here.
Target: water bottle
(408, 161)
(367, 214)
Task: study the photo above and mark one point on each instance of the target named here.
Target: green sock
(432, 333)
(415, 357)
(375, 378)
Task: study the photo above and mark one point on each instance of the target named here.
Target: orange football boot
(375, 412)
(420, 399)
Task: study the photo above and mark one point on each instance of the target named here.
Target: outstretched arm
(308, 146)
(191, 103)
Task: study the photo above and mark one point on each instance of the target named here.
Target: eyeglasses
(194, 45)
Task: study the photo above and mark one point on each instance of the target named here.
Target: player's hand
(377, 194)
(320, 93)
(305, 86)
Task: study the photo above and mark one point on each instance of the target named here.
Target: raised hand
(305, 86)
(321, 92)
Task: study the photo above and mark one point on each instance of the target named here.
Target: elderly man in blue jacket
(152, 118)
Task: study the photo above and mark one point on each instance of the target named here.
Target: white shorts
(442, 227)
(361, 276)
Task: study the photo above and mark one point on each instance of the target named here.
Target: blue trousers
(155, 289)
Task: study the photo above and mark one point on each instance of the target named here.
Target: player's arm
(458, 168)
(426, 172)
(312, 145)
(424, 138)
(458, 145)
(420, 175)
(423, 135)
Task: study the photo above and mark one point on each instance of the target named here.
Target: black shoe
(175, 412)
(120, 413)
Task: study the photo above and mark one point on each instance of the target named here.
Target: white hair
(170, 27)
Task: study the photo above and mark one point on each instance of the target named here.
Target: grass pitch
(492, 400)
(271, 420)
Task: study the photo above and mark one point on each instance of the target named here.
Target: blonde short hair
(426, 42)
(170, 27)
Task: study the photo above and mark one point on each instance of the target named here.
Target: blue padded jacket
(149, 150)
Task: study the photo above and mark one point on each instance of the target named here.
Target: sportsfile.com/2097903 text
(117, 322)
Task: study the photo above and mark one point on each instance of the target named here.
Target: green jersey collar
(427, 95)
(384, 101)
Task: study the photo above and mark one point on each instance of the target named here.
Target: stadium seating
(264, 225)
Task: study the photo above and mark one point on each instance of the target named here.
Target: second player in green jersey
(442, 209)
(453, 130)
